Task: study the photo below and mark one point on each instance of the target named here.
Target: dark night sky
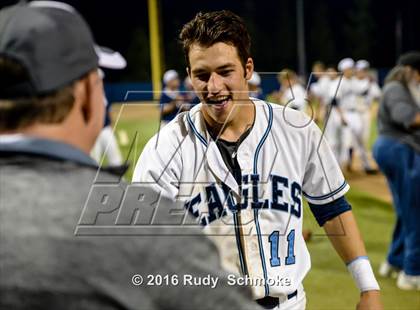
(272, 24)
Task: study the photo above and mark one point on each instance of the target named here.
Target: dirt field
(135, 111)
(375, 185)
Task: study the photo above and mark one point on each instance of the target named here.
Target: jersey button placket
(244, 161)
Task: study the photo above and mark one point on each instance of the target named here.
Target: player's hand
(370, 300)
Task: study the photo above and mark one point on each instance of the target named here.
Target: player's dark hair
(21, 112)
(209, 28)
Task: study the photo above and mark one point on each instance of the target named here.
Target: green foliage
(138, 57)
(321, 43)
(358, 31)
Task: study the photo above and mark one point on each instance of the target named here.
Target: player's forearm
(347, 241)
(345, 236)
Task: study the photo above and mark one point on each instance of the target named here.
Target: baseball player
(106, 143)
(371, 92)
(170, 99)
(320, 89)
(292, 93)
(190, 97)
(318, 71)
(254, 84)
(243, 165)
(351, 127)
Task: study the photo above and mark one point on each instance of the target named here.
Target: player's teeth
(218, 100)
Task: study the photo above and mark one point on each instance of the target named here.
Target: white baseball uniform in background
(322, 87)
(326, 89)
(351, 134)
(282, 159)
(295, 97)
(368, 92)
(106, 145)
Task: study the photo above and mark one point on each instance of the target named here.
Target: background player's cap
(362, 64)
(109, 58)
(51, 40)
(169, 76)
(346, 63)
(255, 79)
(411, 59)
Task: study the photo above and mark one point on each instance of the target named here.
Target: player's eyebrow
(198, 71)
(205, 70)
(226, 66)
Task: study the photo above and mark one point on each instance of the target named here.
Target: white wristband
(362, 274)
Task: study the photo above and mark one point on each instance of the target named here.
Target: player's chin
(218, 116)
(222, 113)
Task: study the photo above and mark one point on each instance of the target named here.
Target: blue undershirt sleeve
(328, 211)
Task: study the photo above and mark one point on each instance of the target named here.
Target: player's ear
(249, 68)
(188, 72)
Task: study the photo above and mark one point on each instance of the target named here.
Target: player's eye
(203, 77)
(225, 72)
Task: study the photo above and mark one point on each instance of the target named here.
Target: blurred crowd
(340, 100)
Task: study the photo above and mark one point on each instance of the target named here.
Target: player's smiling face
(219, 78)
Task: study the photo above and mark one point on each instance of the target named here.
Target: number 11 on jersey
(274, 250)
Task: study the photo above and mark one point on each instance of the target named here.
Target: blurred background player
(254, 84)
(190, 96)
(334, 123)
(370, 93)
(292, 94)
(170, 100)
(318, 70)
(397, 152)
(319, 89)
(106, 144)
(351, 127)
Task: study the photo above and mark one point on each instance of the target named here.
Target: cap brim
(110, 59)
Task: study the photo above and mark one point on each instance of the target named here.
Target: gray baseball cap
(51, 40)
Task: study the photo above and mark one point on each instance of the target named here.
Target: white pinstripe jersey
(282, 159)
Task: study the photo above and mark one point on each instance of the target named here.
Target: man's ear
(249, 68)
(80, 97)
(188, 72)
(84, 93)
(96, 98)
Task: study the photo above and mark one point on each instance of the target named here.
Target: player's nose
(215, 83)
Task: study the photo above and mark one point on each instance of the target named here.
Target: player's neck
(234, 129)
